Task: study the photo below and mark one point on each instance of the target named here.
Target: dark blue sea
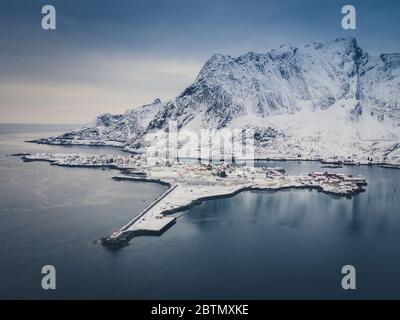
(265, 245)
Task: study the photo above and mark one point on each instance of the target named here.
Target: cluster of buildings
(232, 171)
(340, 183)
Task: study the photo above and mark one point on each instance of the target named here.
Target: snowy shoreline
(191, 184)
(123, 237)
(343, 161)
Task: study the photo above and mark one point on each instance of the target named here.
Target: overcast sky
(108, 56)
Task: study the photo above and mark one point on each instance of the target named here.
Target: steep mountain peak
(216, 62)
(219, 58)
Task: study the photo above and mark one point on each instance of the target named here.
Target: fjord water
(287, 244)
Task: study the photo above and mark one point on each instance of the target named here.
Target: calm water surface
(289, 244)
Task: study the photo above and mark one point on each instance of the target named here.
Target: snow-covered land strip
(187, 194)
(192, 183)
(84, 160)
(81, 142)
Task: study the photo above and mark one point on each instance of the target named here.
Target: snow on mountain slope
(279, 82)
(323, 99)
(119, 130)
(380, 81)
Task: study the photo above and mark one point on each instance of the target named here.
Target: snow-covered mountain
(323, 99)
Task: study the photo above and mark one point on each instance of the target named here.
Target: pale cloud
(107, 58)
(77, 90)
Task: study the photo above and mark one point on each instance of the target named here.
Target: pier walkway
(149, 219)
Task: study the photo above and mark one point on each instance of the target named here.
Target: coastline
(125, 235)
(190, 185)
(122, 147)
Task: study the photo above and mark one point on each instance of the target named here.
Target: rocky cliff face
(380, 87)
(281, 81)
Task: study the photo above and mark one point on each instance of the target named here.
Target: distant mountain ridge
(326, 98)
